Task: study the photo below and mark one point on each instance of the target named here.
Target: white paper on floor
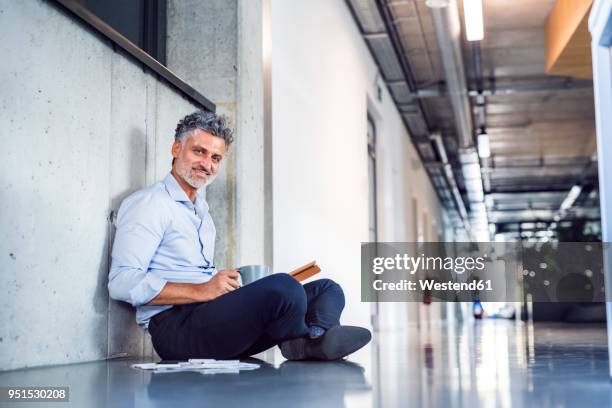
(204, 366)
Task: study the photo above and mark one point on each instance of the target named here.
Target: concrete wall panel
(170, 109)
(202, 45)
(211, 28)
(128, 147)
(250, 148)
(55, 125)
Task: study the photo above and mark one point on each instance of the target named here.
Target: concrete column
(217, 47)
(600, 26)
(254, 147)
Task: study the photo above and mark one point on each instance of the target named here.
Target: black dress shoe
(336, 343)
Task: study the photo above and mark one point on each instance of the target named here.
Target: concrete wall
(82, 126)
(202, 50)
(324, 82)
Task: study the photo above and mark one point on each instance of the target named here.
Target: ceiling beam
(568, 42)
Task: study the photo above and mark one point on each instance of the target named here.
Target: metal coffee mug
(251, 273)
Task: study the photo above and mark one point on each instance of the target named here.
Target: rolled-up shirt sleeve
(140, 229)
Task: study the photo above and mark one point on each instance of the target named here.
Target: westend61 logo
(486, 271)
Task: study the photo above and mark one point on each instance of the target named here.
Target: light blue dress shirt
(161, 237)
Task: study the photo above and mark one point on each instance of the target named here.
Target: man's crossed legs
(274, 310)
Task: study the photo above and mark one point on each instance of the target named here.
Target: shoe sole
(338, 342)
(294, 350)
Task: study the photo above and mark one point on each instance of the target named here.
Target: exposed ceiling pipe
(450, 179)
(493, 87)
(483, 140)
(481, 101)
(393, 35)
(448, 33)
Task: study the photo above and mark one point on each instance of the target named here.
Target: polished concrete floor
(490, 363)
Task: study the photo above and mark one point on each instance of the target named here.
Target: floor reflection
(485, 363)
(495, 363)
(116, 384)
(295, 384)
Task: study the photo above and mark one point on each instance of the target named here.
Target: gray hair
(209, 122)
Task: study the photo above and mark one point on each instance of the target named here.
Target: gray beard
(209, 181)
(193, 182)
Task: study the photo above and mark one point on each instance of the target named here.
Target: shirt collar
(174, 189)
(178, 194)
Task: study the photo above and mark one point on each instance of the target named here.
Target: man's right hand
(173, 293)
(224, 281)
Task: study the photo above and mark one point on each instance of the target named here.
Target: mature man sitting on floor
(162, 264)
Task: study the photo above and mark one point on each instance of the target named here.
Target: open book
(306, 271)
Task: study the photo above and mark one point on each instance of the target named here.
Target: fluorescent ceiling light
(436, 3)
(472, 12)
(484, 148)
(471, 171)
(571, 198)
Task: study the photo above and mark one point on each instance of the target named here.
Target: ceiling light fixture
(484, 147)
(472, 13)
(571, 198)
(436, 3)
